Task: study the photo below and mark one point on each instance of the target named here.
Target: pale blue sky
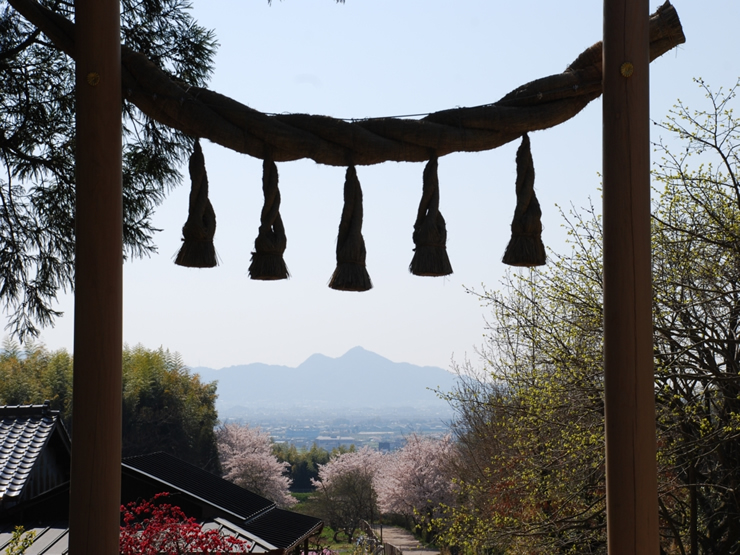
(384, 58)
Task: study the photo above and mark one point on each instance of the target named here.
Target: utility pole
(631, 471)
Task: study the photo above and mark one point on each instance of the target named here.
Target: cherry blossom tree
(155, 527)
(345, 490)
(415, 481)
(247, 460)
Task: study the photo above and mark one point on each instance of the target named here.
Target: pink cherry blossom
(414, 481)
(247, 460)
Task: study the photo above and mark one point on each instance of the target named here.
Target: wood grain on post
(96, 426)
(631, 481)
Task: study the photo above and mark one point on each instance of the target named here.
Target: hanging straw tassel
(267, 258)
(525, 247)
(197, 249)
(430, 233)
(351, 274)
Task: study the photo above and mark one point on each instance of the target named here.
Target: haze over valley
(360, 398)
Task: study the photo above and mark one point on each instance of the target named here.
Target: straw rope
(267, 258)
(430, 231)
(525, 247)
(199, 112)
(351, 273)
(197, 250)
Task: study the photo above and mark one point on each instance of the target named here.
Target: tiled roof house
(34, 489)
(34, 453)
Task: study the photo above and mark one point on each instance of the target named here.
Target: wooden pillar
(95, 494)
(631, 474)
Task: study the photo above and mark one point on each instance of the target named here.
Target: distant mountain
(357, 379)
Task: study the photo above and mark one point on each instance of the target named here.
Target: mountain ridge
(359, 378)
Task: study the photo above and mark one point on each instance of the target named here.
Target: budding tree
(247, 460)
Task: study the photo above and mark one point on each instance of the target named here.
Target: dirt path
(404, 540)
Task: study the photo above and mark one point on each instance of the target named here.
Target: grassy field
(339, 545)
(326, 540)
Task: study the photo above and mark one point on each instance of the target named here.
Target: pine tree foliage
(37, 145)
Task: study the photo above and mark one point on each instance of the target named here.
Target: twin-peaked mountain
(357, 379)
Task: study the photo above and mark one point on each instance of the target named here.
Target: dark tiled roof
(190, 479)
(283, 529)
(24, 436)
(24, 431)
(227, 528)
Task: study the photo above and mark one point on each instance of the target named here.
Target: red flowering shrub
(154, 528)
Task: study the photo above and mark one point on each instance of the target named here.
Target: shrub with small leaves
(155, 527)
(20, 541)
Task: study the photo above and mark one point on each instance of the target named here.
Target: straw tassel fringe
(197, 249)
(267, 258)
(525, 246)
(430, 232)
(351, 273)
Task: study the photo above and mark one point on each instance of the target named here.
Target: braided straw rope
(430, 232)
(197, 249)
(351, 273)
(199, 112)
(267, 258)
(525, 247)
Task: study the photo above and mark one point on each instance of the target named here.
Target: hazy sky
(384, 58)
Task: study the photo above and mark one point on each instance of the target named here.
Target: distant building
(334, 442)
(391, 445)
